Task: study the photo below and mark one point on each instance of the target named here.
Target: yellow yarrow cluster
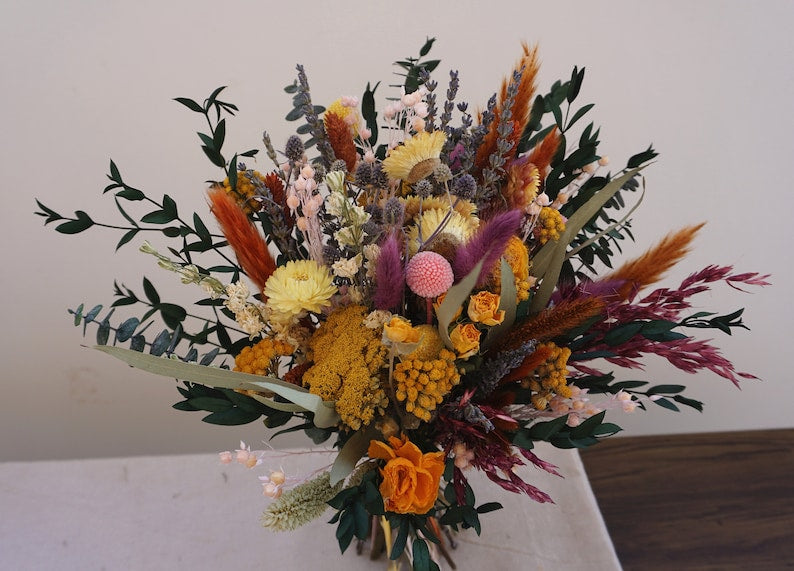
(245, 191)
(551, 377)
(261, 359)
(550, 225)
(422, 384)
(517, 257)
(347, 360)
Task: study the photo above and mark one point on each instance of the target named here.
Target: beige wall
(708, 83)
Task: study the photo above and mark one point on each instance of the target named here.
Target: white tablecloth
(191, 512)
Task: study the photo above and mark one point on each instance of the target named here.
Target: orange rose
(399, 330)
(465, 340)
(484, 308)
(410, 478)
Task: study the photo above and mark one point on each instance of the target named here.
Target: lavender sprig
(316, 125)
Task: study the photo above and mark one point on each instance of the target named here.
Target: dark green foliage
(467, 514)
(226, 407)
(722, 322)
(599, 384)
(369, 113)
(354, 506)
(600, 239)
(560, 435)
(413, 67)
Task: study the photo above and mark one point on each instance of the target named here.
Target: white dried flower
(347, 268)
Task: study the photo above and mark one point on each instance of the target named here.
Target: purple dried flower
(389, 276)
(464, 187)
(294, 148)
(488, 244)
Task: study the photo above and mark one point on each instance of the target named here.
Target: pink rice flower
(429, 274)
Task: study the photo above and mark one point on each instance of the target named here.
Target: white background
(710, 84)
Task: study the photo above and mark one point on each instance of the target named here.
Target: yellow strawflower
(301, 285)
(458, 226)
(416, 158)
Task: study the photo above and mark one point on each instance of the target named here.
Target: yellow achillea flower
(245, 191)
(416, 158)
(550, 377)
(423, 383)
(259, 359)
(298, 286)
(550, 225)
(347, 360)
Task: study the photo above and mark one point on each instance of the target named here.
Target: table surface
(192, 512)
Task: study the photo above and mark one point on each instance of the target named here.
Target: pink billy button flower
(429, 274)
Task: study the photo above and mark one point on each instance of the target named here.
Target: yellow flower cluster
(244, 191)
(260, 359)
(517, 257)
(347, 360)
(550, 224)
(422, 384)
(550, 377)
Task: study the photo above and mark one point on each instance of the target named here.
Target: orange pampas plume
(650, 267)
(522, 105)
(542, 154)
(243, 237)
(341, 140)
(553, 322)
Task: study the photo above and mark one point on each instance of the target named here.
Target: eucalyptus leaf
(454, 299)
(324, 412)
(350, 454)
(508, 303)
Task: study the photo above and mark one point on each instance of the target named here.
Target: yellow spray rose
(484, 308)
(465, 340)
(410, 478)
(400, 330)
